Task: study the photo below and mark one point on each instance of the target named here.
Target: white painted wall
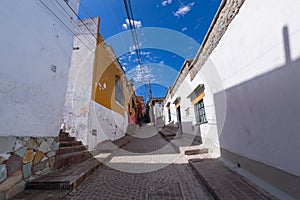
(208, 131)
(263, 112)
(81, 114)
(32, 41)
(109, 125)
(79, 92)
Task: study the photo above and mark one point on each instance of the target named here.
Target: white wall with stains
(105, 124)
(79, 92)
(35, 53)
(83, 118)
(258, 59)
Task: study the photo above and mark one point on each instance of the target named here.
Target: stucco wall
(35, 60)
(107, 124)
(258, 60)
(91, 113)
(208, 131)
(79, 92)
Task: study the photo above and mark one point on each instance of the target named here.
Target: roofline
(208, 32)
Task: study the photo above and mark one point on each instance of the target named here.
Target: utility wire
(132, 27)
(83, 22)
(47, 7)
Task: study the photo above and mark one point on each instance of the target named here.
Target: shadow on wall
(262, 124)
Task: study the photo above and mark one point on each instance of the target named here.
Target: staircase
(70, 151)
(74, 163)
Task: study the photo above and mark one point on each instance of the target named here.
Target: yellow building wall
(105, 71)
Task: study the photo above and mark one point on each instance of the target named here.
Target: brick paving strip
(223, 183)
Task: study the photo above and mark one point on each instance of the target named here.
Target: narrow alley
(167, 176)
(149, 99)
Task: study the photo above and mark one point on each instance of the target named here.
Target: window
(169, 113)
(119, 91)
(200, 112)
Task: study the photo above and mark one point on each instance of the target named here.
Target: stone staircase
(73, 164)
(169, 131)
(188, 144)
(70, 151)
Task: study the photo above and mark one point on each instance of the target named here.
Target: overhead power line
(132, 27)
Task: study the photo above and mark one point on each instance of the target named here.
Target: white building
(246, 74)
(36, 48)
(92, 112)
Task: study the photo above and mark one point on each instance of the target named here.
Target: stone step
(66, 139)
(64, 179)
(196, 151)
(71, 158)
(62, 134)
(71, 149)
(38, 194)
(69, 143)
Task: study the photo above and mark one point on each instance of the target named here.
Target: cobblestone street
(146, 168)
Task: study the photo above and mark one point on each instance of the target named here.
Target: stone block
(44, 147)
(51, 162)
(55, 147)
(3, 173)
(28, 157)
(14, 164)
(21, 151)
(7, 144)
(27, 170)
(16, 189)
(31, 143)
(11, 181)
(51, 154)
(38, 157)
(4, 156)
(20, 142)
(50, 141)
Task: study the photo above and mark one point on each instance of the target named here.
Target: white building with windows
(240, 92)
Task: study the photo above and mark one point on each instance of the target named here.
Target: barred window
(200, 112)
(119, 91)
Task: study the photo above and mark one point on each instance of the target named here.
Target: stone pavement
(150, 167)
(146, 168)
(224, 183)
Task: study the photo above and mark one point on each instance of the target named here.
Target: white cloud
(124, 26)
(184, 10)
(166, 2)
(137, 24)
(162, 62)
(145, 53)
(184, 29)
(140, 74)
(133, 47)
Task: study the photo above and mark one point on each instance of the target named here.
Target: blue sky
(189, 17)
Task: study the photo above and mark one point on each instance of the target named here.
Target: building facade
(99, 97)
(36, 47)
(239, 92)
